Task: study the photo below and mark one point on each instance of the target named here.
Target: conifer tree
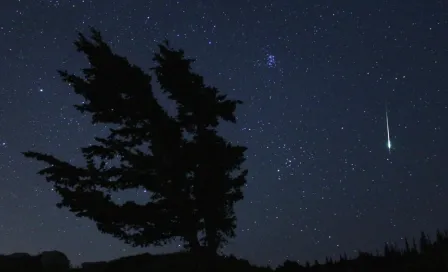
(406, 246)
(193, 176)
(424, 242)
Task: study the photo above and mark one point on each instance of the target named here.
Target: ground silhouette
(47, 261)
(420, 255)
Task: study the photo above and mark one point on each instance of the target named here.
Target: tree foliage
(193, 176)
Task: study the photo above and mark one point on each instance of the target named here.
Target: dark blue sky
(315, 78)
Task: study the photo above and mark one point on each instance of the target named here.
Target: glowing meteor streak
(389, 144)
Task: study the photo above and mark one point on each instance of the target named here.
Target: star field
(315, 77)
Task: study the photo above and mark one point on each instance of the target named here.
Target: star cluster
(314, 76)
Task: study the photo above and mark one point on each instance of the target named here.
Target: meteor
(389, 144)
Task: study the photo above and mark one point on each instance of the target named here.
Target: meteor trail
(389, 144)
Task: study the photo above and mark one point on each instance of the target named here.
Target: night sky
(316, 78)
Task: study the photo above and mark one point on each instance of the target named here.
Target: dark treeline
(191, 176)
(421, 255)
(416, 255)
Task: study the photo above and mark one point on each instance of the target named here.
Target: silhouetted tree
(192, 176)
(407, 248)
(212, 159)
(289, 266)
(424, 242)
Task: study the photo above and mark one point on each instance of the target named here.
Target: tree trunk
(196, 252)
(193, 243)
(211, 249)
